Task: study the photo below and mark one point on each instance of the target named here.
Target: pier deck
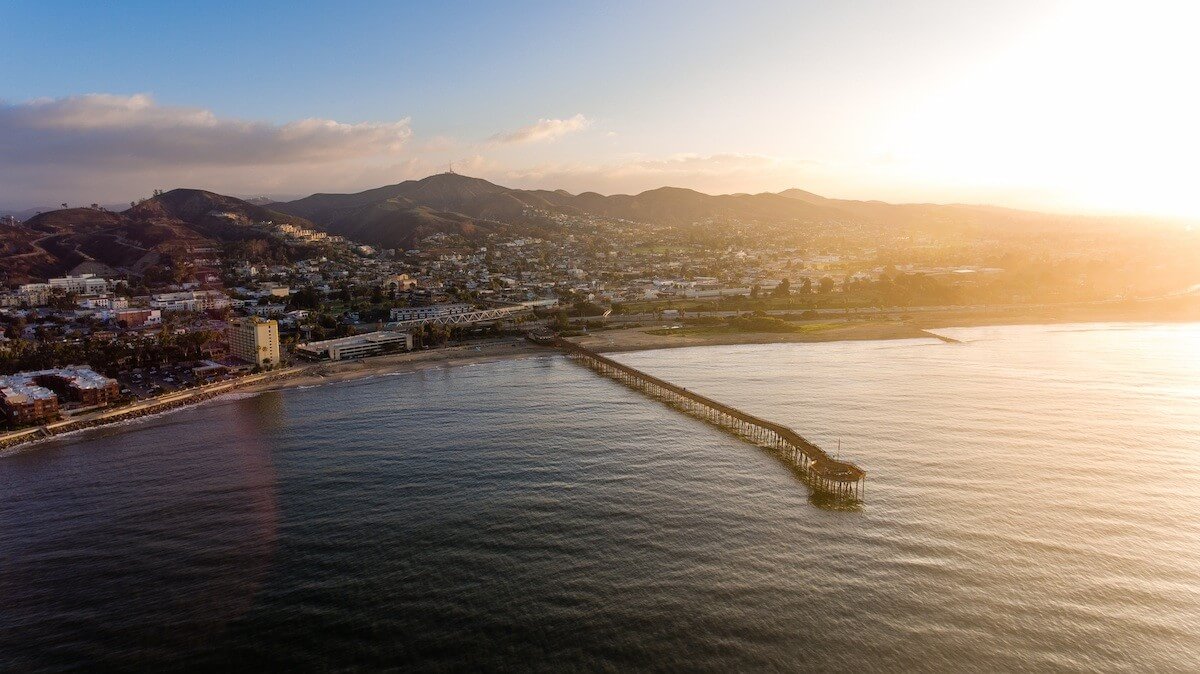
(824, 473)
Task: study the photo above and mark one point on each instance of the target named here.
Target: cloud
(542, 130)
(100, 130)
(107, 148)
(103, 146)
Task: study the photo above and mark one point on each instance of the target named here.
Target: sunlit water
(1033, 503)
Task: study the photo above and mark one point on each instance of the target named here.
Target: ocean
(1032, 503)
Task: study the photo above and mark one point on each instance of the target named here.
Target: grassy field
(756, 324)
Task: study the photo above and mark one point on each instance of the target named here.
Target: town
(287, 295)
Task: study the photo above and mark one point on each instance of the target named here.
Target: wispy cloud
(106, 130)
(100, 146)
(542, 130)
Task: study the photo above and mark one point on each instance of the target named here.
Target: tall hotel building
(255, 340)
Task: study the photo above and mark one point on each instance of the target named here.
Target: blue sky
(899, 101)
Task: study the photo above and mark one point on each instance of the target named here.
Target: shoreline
(470, 353)
(850, 328)
(314, 374)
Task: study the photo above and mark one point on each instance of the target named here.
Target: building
(194, 300)
(356, 346)
(136, 318)
(34, 397)
(24, 402)
(102, 302)
(78, 384)
(35, 294)
(255, 340)
(545, 303)
(266, 310)
(84, 284)
(400, 283)
(435, 311)
(274, 290)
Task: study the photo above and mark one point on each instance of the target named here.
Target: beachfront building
(24, 402)
(34, 397)
(356, 346)
(77, 384)
(255, 340)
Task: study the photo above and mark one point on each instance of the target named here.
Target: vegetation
(741, 324)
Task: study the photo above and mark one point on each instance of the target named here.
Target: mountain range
(401, 214)
(161, 229)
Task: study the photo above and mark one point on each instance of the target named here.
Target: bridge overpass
(489, 315)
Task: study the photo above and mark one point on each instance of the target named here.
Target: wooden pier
(824, 474)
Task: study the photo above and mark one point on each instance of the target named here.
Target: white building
(102, 302)
(195, 300)
(356, 346)
(35, 294)
(84, 284)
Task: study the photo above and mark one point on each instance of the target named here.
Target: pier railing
(823, 472)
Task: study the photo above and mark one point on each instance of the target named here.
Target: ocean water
(1033, 504)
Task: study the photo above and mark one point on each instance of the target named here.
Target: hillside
(402, 214)
(162, 231)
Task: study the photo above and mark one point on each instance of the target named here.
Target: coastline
(852, 327)
(314, 374)
(470, 353)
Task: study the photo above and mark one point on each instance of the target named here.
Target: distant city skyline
(1062, 106)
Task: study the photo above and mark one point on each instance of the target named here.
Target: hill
(164, 231)
(402, 214)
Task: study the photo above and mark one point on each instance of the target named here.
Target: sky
(1087, 107)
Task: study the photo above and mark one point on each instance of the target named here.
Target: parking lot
(144, 382)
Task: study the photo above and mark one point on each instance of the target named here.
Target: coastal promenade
(825, 474)
(143, 408)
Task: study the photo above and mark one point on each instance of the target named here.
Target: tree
(754, 291)
(806, 286)
(784, 289)
(826, 285)
(560, 321)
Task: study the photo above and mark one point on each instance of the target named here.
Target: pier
(825, 474)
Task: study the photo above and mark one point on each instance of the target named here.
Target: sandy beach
(465, 354)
